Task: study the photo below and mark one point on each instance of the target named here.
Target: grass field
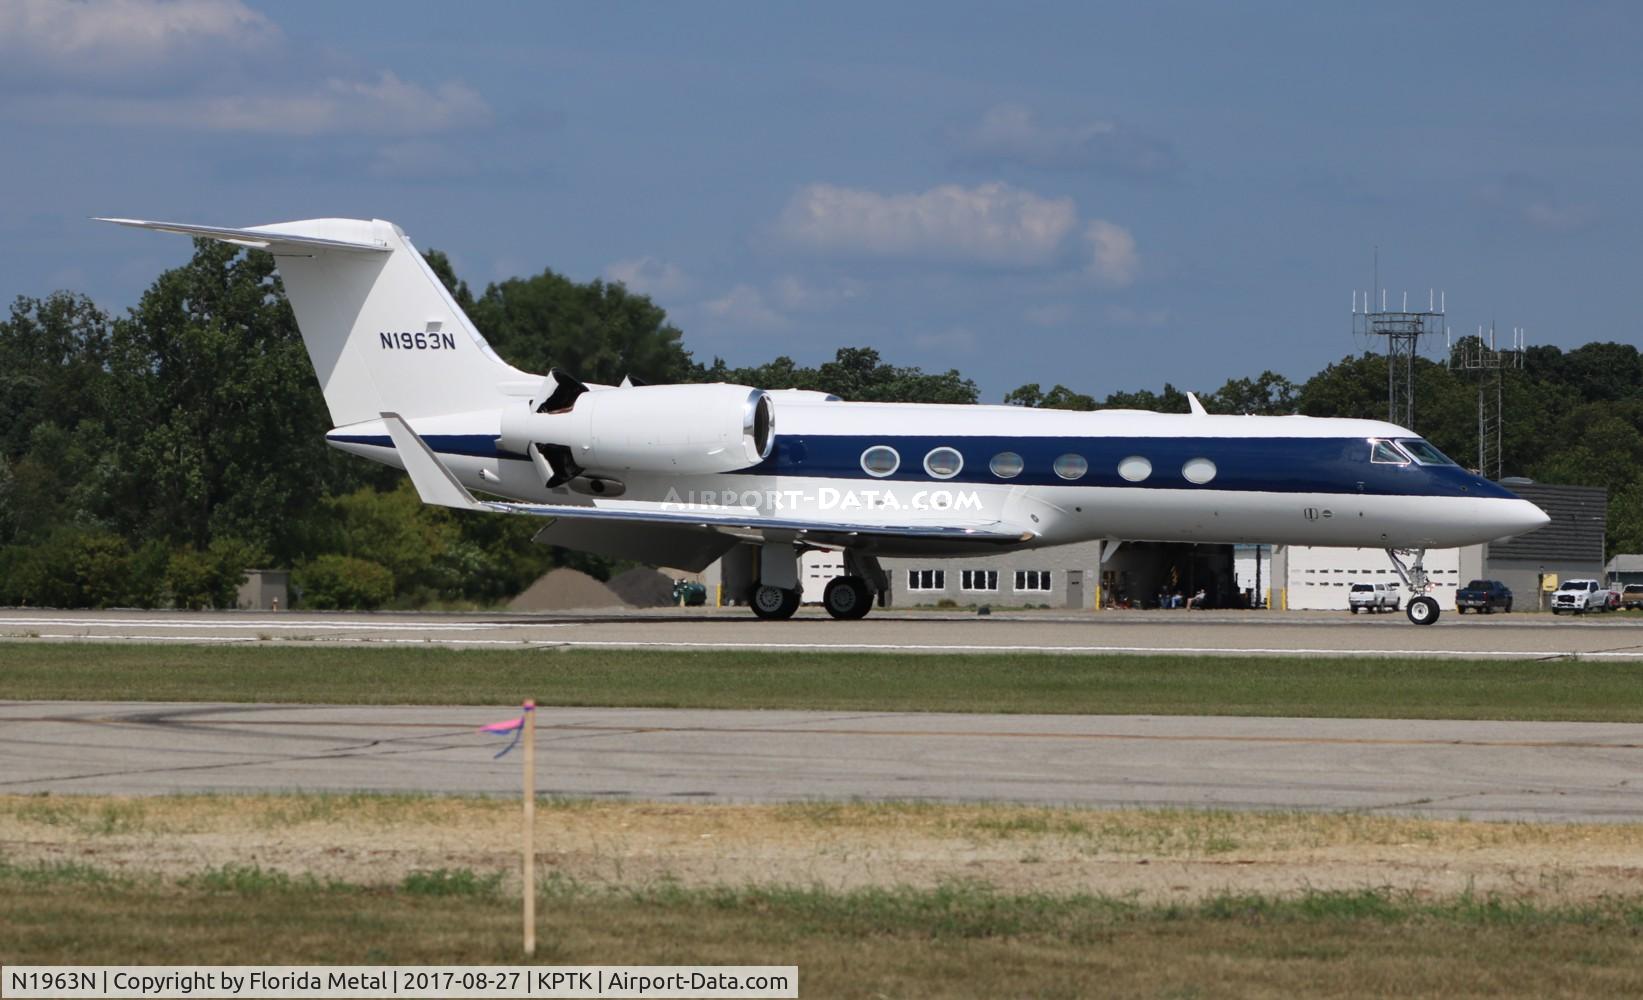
(955, 940)
(1001, 682)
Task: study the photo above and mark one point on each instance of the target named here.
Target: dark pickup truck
(1484, 597)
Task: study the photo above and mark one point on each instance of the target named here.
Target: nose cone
(1517, 517)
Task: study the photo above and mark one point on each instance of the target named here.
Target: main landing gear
(846, 597)
(1422, 610)
(774, 603)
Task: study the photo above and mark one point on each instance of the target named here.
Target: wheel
(1460, 611)
(1423, 611)
(1396, 604)
(847, 597)
(774, 603)
(1353, 608)
(1508, 607)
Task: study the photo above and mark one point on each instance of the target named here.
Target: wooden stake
(529, 737)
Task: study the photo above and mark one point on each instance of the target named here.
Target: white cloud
(1533, 202)
(1139, 319)
(744, 307)
(992, 224)
(648, 275)
(99, 35)
(1113, 259)
(384, 106)
(202, 65)
(1011, 133)
(794, 293)
(1049, 314)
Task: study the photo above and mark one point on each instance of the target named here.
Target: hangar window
(1198, 470)
(926, 579)
(979, 579)
(1135, 468)
(1006, 465)
(1384, 453)
(880, 461)
(1032, 580)
(1071, 466)
(1424, 453)
(943, 463)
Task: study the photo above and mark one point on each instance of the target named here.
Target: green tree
(596, 331)
(1058, 398)
(855, 373)
(332, 582)
(222, 424)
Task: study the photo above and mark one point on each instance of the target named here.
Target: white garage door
(1320, 578)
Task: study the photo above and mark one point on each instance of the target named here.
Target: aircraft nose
(1519, 517)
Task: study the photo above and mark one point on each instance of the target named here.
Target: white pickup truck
(1372, 597)
(1580, 596)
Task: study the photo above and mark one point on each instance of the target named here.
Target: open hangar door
(1320, 578)
(1144, 574)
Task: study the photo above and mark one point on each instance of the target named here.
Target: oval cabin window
(880, 461)
(1006, 465)
(1198, 470)
(1135, 468)
(1071, 466)
(943, 463)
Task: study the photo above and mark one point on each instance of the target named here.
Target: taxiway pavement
(1198, 633)
(1483, 770)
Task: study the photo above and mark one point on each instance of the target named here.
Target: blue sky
(1109, 197)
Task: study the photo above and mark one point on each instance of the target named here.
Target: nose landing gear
(1422, 610)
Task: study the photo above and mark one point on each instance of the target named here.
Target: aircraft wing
(436, 484)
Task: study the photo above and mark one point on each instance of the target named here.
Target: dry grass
(957, 943)
(870, 900)
(1148, 855)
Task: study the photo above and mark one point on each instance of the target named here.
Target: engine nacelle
(687, 429)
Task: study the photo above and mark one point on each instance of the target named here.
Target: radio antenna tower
(1402, 329)
(1491, 363)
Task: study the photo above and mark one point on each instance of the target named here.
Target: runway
(1482, 770)
(1196, 633)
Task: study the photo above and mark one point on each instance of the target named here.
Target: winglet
(433, 481)
(1197, 407)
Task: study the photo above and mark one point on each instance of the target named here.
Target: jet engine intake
(686, 429)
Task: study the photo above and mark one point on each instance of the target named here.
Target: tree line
(147, 459)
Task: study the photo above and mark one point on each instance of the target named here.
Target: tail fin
(381, 330)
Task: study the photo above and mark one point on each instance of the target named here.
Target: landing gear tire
(774, 603)
(1423, 611)
(847, 597)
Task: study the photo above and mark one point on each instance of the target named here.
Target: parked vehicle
(1372, 597)
(1484, 597)
(1580, 596)
(1631, 596)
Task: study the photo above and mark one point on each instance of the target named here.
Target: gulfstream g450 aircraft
(678, 475)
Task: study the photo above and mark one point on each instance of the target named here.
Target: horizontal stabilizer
(257, 238)
(433, 481)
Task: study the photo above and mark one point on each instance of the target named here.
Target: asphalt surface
(1483, 770)
(1210, 633)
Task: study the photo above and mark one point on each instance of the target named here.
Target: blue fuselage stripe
(1269, 465)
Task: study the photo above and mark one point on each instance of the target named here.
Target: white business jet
(678, 475)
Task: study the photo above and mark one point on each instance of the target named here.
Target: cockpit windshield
(1424, 453)
(1382, 453)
